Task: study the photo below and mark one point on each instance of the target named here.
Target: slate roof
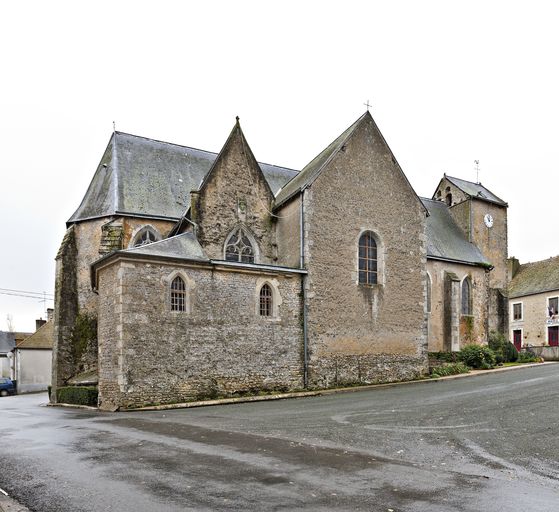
(43, 337)
(183, 246)
(313, 168)
(141, 176)
(7, 342)
(445, 239)
(537, 277)
(476, 190)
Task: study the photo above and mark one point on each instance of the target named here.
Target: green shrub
(78, 395)
(449, 369)
(477, 356)
(49, 388)
(528, 357)
(505, 351)
(447, 357)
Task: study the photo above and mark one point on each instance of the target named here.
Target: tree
(10, 322)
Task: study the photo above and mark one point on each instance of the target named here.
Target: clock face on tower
(488, 219)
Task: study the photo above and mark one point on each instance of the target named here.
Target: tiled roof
(140, 176)
(476, 190)
(445, 239)
(537, 277)
(184, 246)
(43, 337)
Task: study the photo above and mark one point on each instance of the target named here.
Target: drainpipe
(304, 292)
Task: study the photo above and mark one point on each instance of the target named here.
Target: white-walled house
(32, 360)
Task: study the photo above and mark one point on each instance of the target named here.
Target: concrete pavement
(485, 443)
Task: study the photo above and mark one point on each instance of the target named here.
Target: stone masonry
(220, 346)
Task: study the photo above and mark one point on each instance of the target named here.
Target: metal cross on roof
(368, 105)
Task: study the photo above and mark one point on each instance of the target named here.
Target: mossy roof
(43, 337)
(145, 177)
(536, 277)
(445, 239)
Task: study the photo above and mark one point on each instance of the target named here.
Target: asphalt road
(487, 443)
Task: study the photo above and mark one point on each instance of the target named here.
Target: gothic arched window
(239, 247)
(466, 296)
(266, 300)
(368, 268)
(178, 294)
(146, 235)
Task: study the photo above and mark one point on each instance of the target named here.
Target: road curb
(8, 504)
(303, 394)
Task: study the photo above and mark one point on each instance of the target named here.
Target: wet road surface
(487, 443)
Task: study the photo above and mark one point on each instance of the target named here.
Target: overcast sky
(449, 83)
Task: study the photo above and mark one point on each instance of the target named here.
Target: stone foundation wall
(342, 370)
(220, 346)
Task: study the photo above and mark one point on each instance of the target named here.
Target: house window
(368, 263)
(239, 247)
(178, 294)
(266, 300)
(552, 305)
(449, 199)
(146, 235)
(466, 296)
(428, 293)
(517, 311)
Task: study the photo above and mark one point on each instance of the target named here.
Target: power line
(26, 292)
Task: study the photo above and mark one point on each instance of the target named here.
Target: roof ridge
(195, 149)
(332, 148)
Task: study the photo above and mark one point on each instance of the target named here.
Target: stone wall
(65, 311)
(131, 226)
(288, 230)
(493, 242)
(442, 308)
(235, 193)
(364, 333)
(445, 187)
(220, 346)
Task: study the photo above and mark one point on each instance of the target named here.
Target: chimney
(50, 314)
(39, 323)
(514, 266)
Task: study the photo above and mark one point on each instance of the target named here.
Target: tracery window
(466, 296)
(178, 294)
(266, 300)
(368, 263)
(239, 247)
(145, 236)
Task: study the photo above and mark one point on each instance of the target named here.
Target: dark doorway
(553, 336)
(517, 338)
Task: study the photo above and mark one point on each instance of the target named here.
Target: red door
(553, 336)
(517, 339)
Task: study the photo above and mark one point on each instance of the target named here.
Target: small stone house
(203, 274)
(534, 306)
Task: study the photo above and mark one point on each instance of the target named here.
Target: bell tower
(482, 216)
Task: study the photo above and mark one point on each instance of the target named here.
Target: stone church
(186, 274)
